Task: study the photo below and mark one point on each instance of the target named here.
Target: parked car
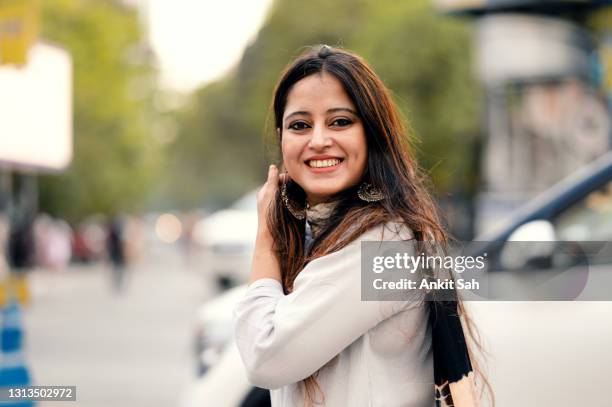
(227, 385)
(567, 205)
(540, 353)
(545, 353)
(226, 239)
(212, 329)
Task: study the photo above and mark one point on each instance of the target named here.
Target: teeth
(323, 163)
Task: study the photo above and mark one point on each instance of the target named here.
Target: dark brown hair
(391, 168)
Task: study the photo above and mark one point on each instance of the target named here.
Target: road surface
(133, 349)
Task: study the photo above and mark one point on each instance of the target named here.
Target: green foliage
(600, 21)
(115, 159)
(424, 58)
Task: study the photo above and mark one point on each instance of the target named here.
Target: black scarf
(453, 373)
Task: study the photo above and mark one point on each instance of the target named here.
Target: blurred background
(134, 134)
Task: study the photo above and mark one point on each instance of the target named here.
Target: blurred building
(547, 108)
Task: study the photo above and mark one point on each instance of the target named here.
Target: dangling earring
(297, 213)
(368, 193)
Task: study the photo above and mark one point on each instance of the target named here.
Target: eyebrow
(332, 110)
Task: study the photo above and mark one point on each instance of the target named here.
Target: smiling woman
(302, 329)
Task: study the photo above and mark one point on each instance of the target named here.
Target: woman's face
(323, 140)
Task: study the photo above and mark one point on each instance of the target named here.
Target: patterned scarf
(316, 219)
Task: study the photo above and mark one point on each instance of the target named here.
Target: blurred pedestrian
(116, 252)
(21, 258)
(53, 242)
(133, 239)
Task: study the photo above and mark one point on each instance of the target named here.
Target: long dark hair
(391, 168)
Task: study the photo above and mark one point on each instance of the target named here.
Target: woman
(302, 329)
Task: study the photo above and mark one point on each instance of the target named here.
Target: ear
(278, 132)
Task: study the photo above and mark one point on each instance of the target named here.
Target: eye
(342, 122)
(298, 126)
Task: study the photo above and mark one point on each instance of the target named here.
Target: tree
(115, 156)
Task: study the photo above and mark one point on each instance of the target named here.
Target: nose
(320, 138)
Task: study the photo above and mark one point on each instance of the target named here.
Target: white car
(226, 385)
(213, 327)
(226, 239)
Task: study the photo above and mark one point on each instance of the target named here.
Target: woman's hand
(265, 200)
(265, 264)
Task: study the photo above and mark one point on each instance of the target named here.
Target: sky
(197, 41)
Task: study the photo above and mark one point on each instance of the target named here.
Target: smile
(332, 162)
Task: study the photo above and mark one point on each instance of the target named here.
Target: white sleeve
(283, 339)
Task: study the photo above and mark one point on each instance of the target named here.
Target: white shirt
(370, 353)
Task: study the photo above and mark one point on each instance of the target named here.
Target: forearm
(265, 264)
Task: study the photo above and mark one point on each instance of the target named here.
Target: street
(119, 350)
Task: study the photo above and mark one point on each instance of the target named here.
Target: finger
(260, 194)
(273, 175)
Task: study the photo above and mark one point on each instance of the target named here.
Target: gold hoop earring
(298, 213)
(368, 193)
